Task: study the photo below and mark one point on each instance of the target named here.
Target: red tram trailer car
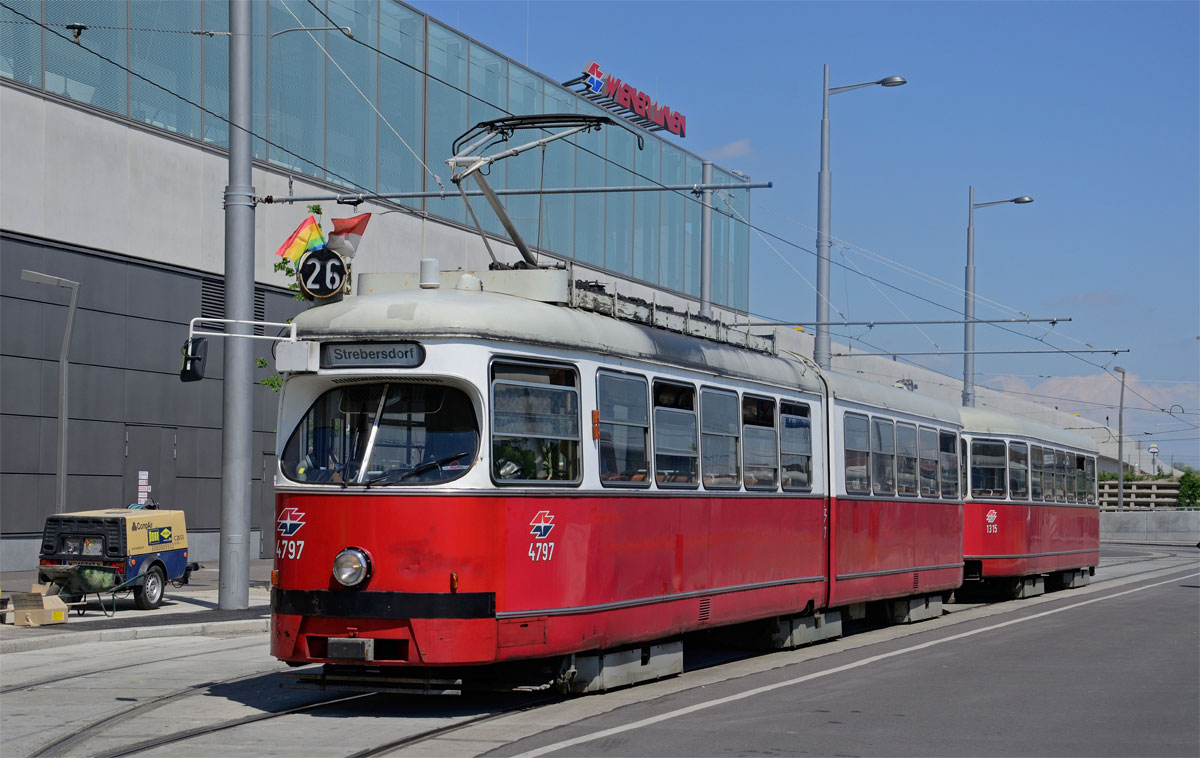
(502, 466)
(1031, 513)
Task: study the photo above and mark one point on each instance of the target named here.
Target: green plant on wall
(275, 381)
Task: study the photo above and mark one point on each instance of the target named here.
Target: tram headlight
(352, 567)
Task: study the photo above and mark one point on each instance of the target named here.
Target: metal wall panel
(96, 392)
(208, 448)
(88, 493)
(20, 444)
(24, 342)
(21, 498)
(96, 339)
(93, 447)
(153, 345)
(157, 294)
(25, 388)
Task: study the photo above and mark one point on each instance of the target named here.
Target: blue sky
(1091, 108)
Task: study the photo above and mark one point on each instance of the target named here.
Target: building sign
(628, 101)
(372, 354)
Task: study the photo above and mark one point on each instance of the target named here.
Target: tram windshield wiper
(392, 476)
(431, 465)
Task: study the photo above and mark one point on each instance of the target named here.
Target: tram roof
(472, 314)
(848, 388)
(989, 421)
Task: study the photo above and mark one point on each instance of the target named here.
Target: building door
(149, 475)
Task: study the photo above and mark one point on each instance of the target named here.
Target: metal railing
(1150, 494)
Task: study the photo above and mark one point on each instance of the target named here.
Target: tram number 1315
(541, 551)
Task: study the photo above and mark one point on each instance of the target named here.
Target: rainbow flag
(306, 237)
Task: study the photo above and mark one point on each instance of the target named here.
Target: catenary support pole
(821, 348)
(237, 412)
(1121, 443)
(706, 220)
(968, 391)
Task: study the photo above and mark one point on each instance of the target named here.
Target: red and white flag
(346, 234)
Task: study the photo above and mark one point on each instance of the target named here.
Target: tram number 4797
(541, 551)
(289, 548)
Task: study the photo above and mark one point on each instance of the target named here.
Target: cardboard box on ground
(36, 608)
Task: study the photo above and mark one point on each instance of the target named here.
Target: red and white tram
(1031, 506)
(484, 471)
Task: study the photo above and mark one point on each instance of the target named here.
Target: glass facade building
(316, 115)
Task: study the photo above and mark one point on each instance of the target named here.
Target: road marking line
(819, 674)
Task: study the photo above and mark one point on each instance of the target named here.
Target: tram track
(97, 672)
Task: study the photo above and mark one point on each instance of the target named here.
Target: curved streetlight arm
(1018, 200)
(821, 349)
(968, 392)
(848, 87)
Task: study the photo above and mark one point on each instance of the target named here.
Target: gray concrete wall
(1151, 526)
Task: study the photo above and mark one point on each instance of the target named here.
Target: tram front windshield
(384, 434)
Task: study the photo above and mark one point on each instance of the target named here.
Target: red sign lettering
(630, 98)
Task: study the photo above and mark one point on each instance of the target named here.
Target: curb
(1148, 543)
(204, 629)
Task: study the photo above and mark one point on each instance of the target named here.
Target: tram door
(263, 516)
(149, 473)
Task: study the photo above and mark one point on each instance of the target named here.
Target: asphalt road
(1116, 673)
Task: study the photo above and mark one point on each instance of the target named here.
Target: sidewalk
(190, 609)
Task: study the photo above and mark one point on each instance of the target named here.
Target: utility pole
(1121, 443)
(706, 218)
(237, 410)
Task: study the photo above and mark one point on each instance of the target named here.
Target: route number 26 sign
(321, 274)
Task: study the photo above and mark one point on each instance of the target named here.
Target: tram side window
(1018, 470)
(1089, 475)
(1060, 476)
(928, 449)
(675, 429)
(857, 455)
(719, 438)
(1035, 473)
(1081, 479)
(535, 423)
(624, 417)
(906, 459)
(761, 444)
(947, 442)
(987, 468)
(883, 457)
(1069, 480)
(795, 446)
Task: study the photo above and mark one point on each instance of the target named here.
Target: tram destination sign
(372, 355)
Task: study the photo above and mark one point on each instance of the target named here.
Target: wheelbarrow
(76, 581)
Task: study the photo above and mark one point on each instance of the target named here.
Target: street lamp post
(968, 392)
(57, 281)
(1121, 443)
(821, 351)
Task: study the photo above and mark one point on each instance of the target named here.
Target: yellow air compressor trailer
(116, 549)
